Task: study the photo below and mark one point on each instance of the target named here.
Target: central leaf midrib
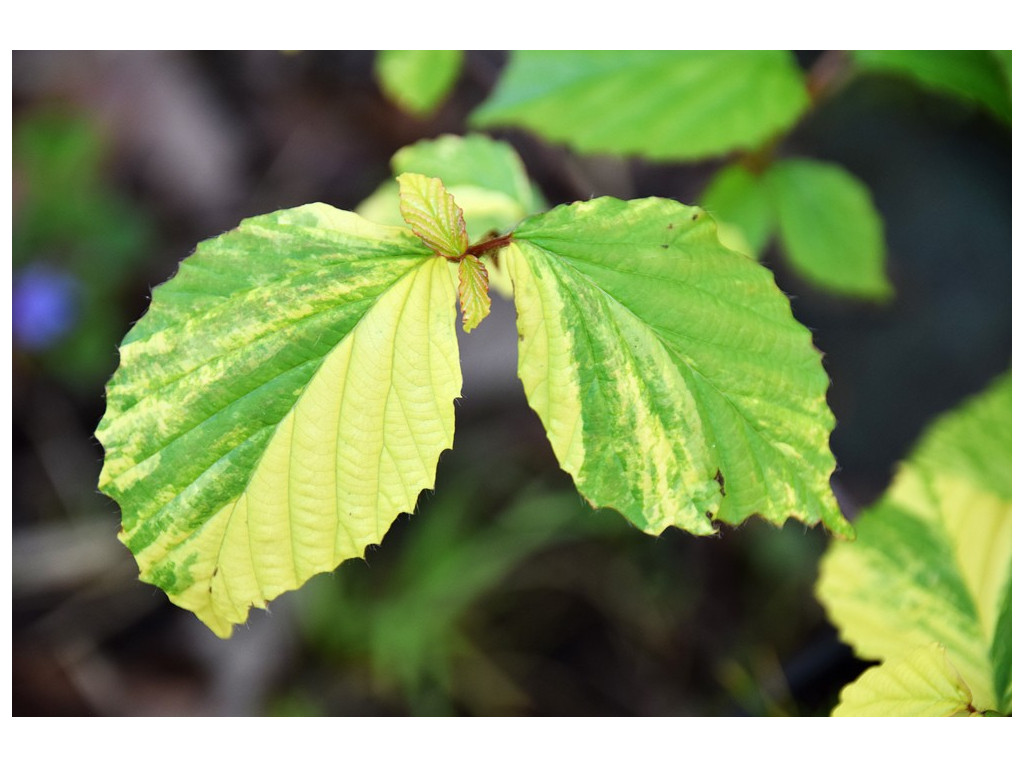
(272, 430)
(689, 286)
(164, 385)
(318, 360)
(387, 401)
(565, 262)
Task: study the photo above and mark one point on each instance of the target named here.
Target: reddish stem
(489, 245)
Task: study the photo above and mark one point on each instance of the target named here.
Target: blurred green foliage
(76, 241)
(418, 81)
(979, 77)
(409, 623)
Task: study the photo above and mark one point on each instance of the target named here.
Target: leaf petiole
(493, 244)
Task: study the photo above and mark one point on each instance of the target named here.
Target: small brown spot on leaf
(720, 480)
(671, 226)
(695, 216)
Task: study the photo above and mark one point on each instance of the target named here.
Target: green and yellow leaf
(668, 371)
(285, 397)
(932, 560)
(432, 214)
(921, 684)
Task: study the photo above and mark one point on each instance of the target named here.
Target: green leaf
(922, 684)
(932, 559)
(680, 105)
(432, 214)
(473, 298)
(285, 397)
(741, 204)
(980, 77)
(418, 81)
(668, 371)
(830, 229)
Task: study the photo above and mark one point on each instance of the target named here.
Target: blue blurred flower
(45, 305)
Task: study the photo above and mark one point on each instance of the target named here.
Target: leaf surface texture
(922, 684)
(669, 373)
(286, 396)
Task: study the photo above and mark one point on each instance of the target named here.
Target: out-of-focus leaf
(829, 227)
(981, 77)
(418, 81)
(678, 105)
(741, 204)
(931, 562)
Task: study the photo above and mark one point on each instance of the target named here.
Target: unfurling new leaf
(431, 213)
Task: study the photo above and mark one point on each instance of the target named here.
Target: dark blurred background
(504, 594)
